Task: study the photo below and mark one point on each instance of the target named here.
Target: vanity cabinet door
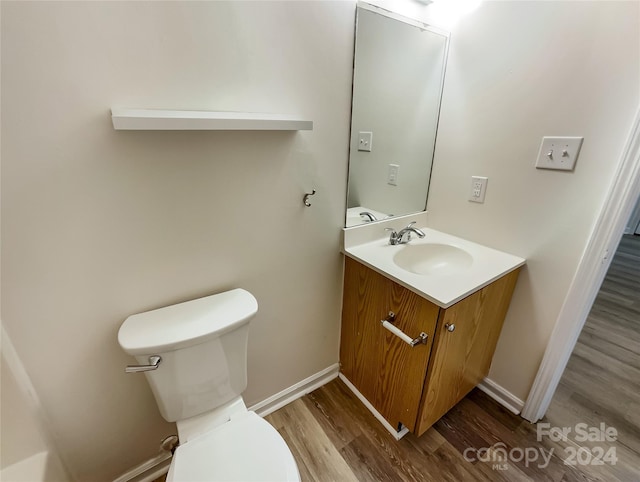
(465, 341)
(386, 370)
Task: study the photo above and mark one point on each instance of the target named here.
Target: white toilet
(198, 380)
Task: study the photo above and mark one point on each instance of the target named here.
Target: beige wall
(519, 71)
(99, 224)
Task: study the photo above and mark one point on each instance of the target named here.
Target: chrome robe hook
(305, 199)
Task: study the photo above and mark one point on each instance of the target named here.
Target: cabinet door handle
(449, 327)
(421, 339)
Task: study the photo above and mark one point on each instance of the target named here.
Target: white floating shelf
(196, 120)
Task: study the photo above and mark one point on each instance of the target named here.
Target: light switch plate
(559, 153)
(365, 141)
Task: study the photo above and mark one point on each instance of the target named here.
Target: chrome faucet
(404, 235)
(366, 214)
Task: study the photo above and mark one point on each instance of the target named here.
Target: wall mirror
(398, 78)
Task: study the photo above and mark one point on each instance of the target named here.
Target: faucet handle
(393, 236)
(411, 224)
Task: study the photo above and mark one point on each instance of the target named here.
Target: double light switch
(559, 153)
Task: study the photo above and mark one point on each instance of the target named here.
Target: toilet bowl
(247, 448)
(194, 356)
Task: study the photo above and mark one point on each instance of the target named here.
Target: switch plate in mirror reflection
(365, 141)
(397, 88)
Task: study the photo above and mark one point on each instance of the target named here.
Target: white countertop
(442, 289)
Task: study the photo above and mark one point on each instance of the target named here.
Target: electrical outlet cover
(478, 188)
(392, 174)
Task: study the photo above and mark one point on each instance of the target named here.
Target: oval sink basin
(432, 258)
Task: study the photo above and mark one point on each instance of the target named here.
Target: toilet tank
(203, 345)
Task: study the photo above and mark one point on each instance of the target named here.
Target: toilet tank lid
(186, 324)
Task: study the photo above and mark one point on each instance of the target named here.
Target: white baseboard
(147, 471)
(296, 391)
(505, 398)
(397, 435)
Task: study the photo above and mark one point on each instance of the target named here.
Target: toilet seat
(244, 449)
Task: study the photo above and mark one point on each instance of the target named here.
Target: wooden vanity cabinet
(415, 386)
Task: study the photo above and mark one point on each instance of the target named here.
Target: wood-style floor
(601, 383)
(333, 437)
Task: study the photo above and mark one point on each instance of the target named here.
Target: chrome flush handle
(154, 363)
